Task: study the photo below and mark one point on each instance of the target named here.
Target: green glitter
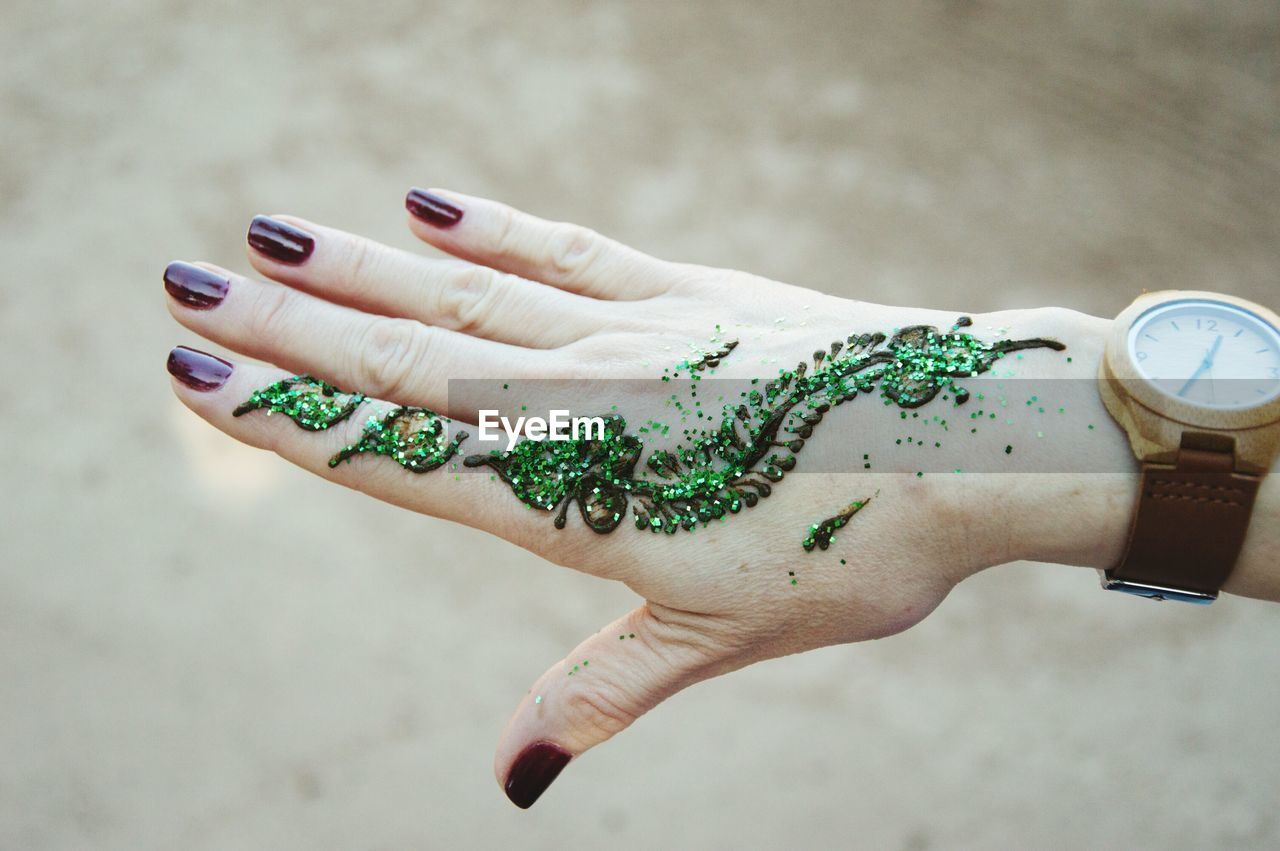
(821, 535)
(309, 402)
(415, 438)
(723, 469)
(538, 699)
(707, 360)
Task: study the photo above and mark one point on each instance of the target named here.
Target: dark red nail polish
(533, 771)
(432, 209)
(199, 370)
(279, 241)
(193, 286)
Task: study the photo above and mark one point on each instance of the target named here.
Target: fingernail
(534, 769)
(193, 286)
(431, 208)
(279, 241)
(199, 370)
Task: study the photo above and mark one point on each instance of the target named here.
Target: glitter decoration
(593, 472)
(711, 359)
(730, 464)
(735, 465)
(822, 535)
(415, 438)
(311, 403)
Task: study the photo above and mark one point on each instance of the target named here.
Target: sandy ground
(203, 648)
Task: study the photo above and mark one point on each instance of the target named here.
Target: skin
(523, 298)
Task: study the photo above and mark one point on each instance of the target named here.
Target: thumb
(599, 689)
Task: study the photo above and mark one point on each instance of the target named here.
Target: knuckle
(359, 265)
(690, 641)
(571, 249)
(467, 301)
(387, 355)
(597, 711)
(271, 313)
(504, 236)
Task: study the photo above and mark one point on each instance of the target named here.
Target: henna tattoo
(309, 402)
(823, 534)
(711, 359)
(736, 465)
(723, 469)
(415, 438)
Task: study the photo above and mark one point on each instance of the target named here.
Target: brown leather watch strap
(1190, 523)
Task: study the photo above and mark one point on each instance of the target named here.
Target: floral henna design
(415, 438)
(309, 402)
(722, 471)
(737, 465)
(595, 473)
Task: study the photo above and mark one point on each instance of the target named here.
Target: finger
(600, 689)
(562, 255)
(324, 431)
(398, 359)
(376, 278)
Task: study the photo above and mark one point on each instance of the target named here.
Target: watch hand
(1213, 352)
(1204, 364)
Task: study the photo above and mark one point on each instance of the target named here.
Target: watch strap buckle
(1151, 591)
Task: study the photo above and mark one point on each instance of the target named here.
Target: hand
(528, 299)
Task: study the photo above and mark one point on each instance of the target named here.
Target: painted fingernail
(280, 241)
(533, 771)
(198, 370)
(195, 287)
(431, 208)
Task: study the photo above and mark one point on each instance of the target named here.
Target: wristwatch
(1194, 379)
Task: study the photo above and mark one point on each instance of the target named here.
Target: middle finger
(452, 294)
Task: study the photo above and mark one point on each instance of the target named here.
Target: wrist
(1074, 502)
(1070, 496)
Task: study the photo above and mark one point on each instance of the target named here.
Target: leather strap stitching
(1189, 498)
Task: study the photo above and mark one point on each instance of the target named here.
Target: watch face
(1207, 353)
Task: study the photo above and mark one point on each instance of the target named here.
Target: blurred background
(201, 647)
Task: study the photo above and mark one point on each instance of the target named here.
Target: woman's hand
(530, 299)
